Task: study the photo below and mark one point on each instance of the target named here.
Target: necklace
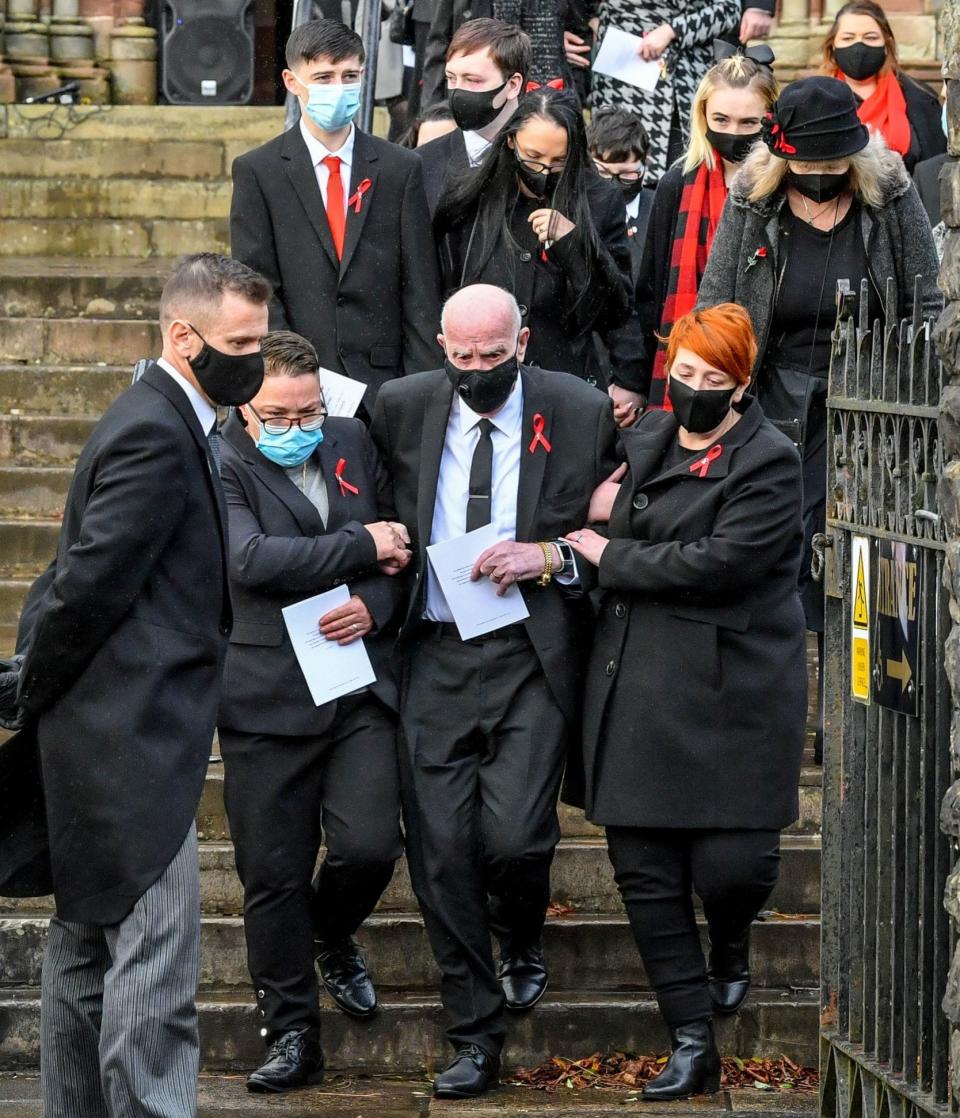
(811, 219)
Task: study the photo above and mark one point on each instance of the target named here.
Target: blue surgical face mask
(291, 448)
(332, 106)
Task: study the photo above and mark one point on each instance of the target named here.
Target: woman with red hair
(695, 702)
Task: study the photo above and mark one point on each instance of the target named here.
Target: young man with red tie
(337, 221)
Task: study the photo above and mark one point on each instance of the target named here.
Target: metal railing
(886, 939)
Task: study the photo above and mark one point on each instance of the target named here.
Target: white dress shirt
(477, 147)
(633, 208)
(319, 152)
(205, 412)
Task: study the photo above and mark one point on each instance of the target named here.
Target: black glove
(11, 717)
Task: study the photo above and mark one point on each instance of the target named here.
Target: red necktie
(336, 213)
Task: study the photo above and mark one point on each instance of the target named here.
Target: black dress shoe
(728, 973)
(343, 970)
(523, 975)
(471, 1072)
(693, 1067)
(294, 1060)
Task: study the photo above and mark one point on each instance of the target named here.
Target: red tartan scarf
(885, 111)
(701, 203)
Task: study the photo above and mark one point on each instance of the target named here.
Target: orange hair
(722, 336)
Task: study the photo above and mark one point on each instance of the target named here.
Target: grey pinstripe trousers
(118, 1019)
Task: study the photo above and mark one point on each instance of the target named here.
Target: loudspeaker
(207, 51)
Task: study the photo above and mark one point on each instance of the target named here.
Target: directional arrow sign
(895, 594)
(900, 669)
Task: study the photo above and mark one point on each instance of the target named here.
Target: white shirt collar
(507, 420)
(633, 208)
(476, 147)
(205, 412)
(319, 152)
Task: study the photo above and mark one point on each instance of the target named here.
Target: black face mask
(860, 60)
(484, 390)
(818, 188)
(732, 146)
(541, 185)
(473, 109)
(631, 190)
(228, 379)
(699, 410)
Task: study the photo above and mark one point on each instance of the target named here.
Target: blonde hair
(763, 172)
(735, 72)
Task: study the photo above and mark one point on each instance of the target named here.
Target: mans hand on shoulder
(393, 543)
(627, 405)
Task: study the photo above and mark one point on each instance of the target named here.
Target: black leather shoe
(728, 973)
(471, 1073)
(693, 1067)
(523, 975)
(342, 967)
(294, 1060)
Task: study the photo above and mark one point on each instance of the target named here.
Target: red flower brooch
(759, 254)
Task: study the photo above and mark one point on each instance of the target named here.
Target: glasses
(540, 168)
(624, 178)
(281, 424)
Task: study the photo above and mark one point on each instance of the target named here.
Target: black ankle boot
(728, 973)
(693, 1067)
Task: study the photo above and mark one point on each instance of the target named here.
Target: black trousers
(733, 872)
(484, 746)
(283, 796)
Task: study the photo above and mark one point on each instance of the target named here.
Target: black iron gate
(886, 941)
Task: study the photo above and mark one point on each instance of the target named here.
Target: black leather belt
(449, 630)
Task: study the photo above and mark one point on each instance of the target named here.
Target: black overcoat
(280, 553)
(126, 649)
(372, 316)
(695, 702)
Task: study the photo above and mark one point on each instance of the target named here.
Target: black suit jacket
(125, 652)
(280, 553)
(373, 315)
(444, 160)
(409, 427)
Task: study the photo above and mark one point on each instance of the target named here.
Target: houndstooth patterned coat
(697, 23)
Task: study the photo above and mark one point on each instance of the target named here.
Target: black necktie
(213, 440)
(481, 479)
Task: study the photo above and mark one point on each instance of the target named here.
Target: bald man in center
(487, 722)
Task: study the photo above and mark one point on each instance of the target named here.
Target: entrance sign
(896, 629)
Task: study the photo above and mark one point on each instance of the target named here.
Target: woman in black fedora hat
(821, 200)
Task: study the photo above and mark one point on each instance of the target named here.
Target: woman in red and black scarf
(860, 50)
(728, 110)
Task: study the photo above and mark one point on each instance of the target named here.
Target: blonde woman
(728, 110)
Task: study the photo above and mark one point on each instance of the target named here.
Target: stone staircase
(83, 255)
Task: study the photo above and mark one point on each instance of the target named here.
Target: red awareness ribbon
(702, 465)
(345, 486)
(538, 435)
(357, 197)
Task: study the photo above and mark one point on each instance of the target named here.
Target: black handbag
(790, 399)
(401, 24)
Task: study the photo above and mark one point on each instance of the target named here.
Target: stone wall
(948, 342)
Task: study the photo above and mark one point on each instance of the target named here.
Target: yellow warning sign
(860, 616)
(860, 620)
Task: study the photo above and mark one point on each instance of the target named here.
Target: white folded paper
(618, 58)
(476, 606)
(330, 669)
(341, 395)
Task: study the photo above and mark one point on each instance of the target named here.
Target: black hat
(815, 119)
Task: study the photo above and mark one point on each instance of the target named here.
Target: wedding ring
(354, 627)
(579, 537)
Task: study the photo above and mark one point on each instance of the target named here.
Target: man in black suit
(486, 71)
(127, 637)
(306, 496)
(486, 722)
(338, 222)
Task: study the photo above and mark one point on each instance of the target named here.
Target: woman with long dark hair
(536, 219)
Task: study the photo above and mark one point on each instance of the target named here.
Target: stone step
(406, 1036)
(26, 546)
(61, 390)
(105, 237)
(52, 198)
(594, 952)
(175, 124)
(581, 878)
(42, 440)
(70, 287)
(203, 160)
(364, 1096)
(33, 491)
(77, 341)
